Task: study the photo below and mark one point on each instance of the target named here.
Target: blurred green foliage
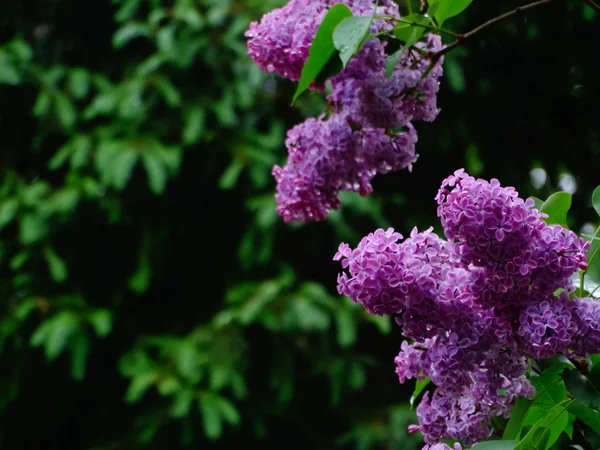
(150, 296)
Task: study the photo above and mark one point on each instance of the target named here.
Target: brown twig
(593, 4)
(484, 26)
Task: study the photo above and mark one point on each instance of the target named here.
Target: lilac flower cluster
(369, 129)
(476, 305)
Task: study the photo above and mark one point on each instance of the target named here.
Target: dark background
(150, 297)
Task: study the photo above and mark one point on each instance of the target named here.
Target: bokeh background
(151, 298)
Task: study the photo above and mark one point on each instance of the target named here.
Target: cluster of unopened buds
(476, 305)
(368, 128)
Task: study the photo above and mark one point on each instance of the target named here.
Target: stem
(429, 27)
(593, 4)
(488, 24)
(591, 258)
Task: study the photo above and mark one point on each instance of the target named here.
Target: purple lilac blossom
(365, 93)
(477, 305)
(370, 128)
(281, 40)
(327, 156)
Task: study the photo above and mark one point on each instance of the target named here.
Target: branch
(593, 4)
(463, 37)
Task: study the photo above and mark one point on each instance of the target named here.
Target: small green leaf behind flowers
(596, 200)
(556, 207)
(446, 9)
(419, 388)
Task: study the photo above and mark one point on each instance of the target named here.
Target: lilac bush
(476, 305)
(479, 306)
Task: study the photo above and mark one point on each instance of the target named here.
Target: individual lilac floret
(369, 98)
(281, 41)
(327, 157)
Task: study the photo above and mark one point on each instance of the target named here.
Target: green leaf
(346, 327)
(433, 7)
(169, 92)
(182, 403)
(453, 69)
(18, 260)
(32, 228)
(322, 48)
(101, 320)
(128, 32)
(8, 211)
(538, 432)
(79, 83)
(550, 391)
(404, 31)
(8, 73)
(20, 49)
(187, 358)
(228, 411)
(194, 125)
(588, 416)
(350, 35)
(584, 388)
(122, 167)
(66, 112)
(127, 10)
(156, 172)
(392, 61)
(54, 333)
(81, 147)
(79, 347)
(167, 385)
(140, 280)
(449, 8)
(58, 268)
(495, 445)
(42, 104)
(596, 200)
(230, 176)
(211, 419)
(419, 387)
(557, 206)
(517, 414)
(139, 386)
(538, 202)
(65, 325)
(555, 428)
